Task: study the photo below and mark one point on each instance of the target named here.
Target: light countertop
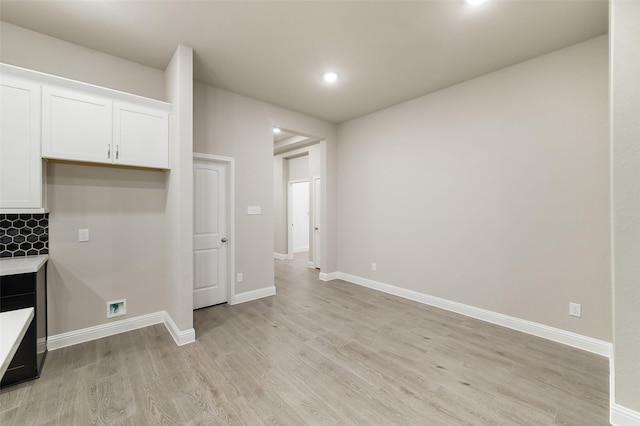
(13, 326)
(22, 265)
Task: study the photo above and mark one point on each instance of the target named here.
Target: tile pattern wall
(24, 234)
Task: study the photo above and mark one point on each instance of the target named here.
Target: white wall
(179, 226)
(125, 257)
(236, 126)
(493, 193)
(299, 168)
(625, 116)
(135, 217)
(39, 52)
(280, 178)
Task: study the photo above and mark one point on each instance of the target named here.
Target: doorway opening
(297, 198)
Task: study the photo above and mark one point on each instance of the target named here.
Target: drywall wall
(492, 193)
(125, 257)
(179, 87)
(625, 123)
(280, 178)
(39, 52)
(236, 126)
(299, 168)
(136, 221)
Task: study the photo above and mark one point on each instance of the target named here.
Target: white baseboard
(622, 416)
(579, 341)
(300, 249)
(311, 265)
(181, 337)
(330, 276)
(103, 330)
(112, 328)
(248, 296)
(280, 256)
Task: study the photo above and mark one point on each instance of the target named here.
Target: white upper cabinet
(79, 125)
(140, 136)
(76, 126)
(21, 174)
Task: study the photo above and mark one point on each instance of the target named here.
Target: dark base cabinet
(26, 291)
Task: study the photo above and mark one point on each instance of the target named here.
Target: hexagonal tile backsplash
(24, 234)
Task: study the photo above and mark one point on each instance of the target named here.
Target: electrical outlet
(83, 235)
(239, 277)
(575, 309)
(374, 267)
(115, 308)
(253, 209)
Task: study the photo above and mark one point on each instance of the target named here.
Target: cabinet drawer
(12, 285)
(20, 301)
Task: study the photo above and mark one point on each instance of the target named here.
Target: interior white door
(210, 250)
(300, 215)
(316, 222)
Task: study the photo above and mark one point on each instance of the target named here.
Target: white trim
(62, 340)
(623, 416)
(300, 249)
(329, 276)
(575, 340)
(311, 265)
(248, 296)
(612, 386)
(231, 217)
(618, 414)
(316, 241)
(112, 328)
(24, 211)
(280, 256)
(181, 337)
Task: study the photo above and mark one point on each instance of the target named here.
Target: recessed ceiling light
(475, 2)
(330, 77)
(276, 130)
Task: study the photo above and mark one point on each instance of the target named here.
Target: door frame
(316, 240)
(230, 162)
(290, 214)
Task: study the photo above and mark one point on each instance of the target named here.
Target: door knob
(224, 240)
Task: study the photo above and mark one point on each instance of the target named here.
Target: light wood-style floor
(317, 353)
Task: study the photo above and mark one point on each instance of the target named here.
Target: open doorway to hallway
(297, 197)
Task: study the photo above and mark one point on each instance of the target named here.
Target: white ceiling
(385, 52)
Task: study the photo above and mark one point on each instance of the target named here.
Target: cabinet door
(76, 126)
(20, 162)
(141, 136)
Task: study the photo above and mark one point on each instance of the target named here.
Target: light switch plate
(83, 235)
(253, 209)
(239, 277)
